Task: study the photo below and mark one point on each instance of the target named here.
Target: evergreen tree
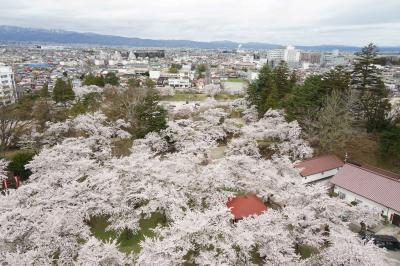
(281, 79)
(260, 89)
(94, 80)
(293, 79)
(373, 106)
(44, 92)
(18, 162)
(62, 91)
(337, 79)
(366, 75)
(307, 98)
(149, 115)
(389, 144)
(111, 79)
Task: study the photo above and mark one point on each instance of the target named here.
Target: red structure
(11, 182)
(243, 206)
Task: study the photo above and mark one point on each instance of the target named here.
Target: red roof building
(319, 168)
(373, 187)
(247, 205)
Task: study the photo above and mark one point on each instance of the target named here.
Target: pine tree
(337, 79)
(373, 105)
(44, 92)
(111, 79)
(260, 89)
(149, 115)
(62, 91)
(366, 76)
(281, 78)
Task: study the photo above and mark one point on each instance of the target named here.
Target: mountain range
(34, 35)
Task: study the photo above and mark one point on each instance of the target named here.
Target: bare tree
(334, 121)
(11, 128)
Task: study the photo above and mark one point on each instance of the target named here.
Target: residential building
(179, 82)
(369, 186)
(8, 93)
(319, 169)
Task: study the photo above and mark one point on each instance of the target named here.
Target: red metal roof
(243, 206)
(319, 164)
(373, 185)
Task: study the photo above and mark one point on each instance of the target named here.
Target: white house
(319, 169)
(373, 187)
(179, 82)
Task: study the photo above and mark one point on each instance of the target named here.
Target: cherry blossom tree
(75, 177)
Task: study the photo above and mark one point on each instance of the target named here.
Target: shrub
(18, 162)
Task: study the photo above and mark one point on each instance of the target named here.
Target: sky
(298, 22)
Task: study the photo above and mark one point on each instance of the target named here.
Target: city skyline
(354, 22)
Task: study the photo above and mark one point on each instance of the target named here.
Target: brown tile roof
(319, 164)
(376, 186)
(243, 206)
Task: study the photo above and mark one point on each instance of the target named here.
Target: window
(358, 201)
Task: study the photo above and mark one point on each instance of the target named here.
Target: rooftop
(244, 206)
(319, 164)
(376, 185)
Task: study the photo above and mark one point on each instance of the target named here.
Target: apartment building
(8, 93)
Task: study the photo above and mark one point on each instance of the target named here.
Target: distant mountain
(19, 34)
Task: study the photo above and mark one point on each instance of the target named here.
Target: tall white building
(8, 92)
(289, 54)
(276, 55)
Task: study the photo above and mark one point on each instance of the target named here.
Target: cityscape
(197, 138)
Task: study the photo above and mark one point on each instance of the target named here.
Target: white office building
(8, 93)
(289, 54)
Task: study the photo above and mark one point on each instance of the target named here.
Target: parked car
(384, 241)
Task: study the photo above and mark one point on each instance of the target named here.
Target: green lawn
(127, 240)
(235, 80)
(185, 96)
(226, 96)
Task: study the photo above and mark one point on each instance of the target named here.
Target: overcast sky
(308, 22)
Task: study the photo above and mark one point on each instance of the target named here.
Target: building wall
(319, 176)
(350, 196)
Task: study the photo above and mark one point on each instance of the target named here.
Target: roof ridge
(320, 156)
(375, 172)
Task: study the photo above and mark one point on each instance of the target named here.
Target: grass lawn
(226, 96)
(185, 96)
(127, 240)
(235, 80)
